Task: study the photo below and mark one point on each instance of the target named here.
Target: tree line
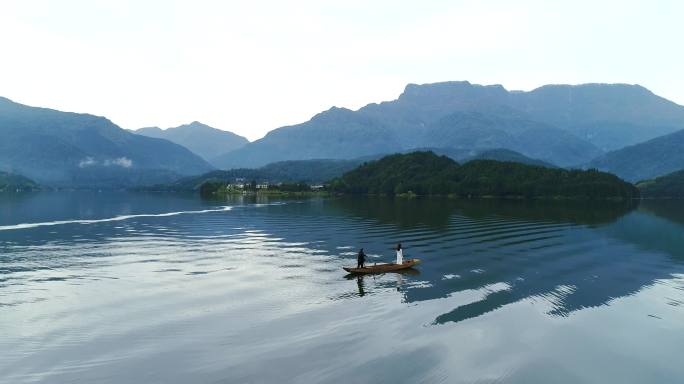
(426, 174)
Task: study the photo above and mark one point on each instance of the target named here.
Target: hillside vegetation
(424, 173)
(668, 186)
(500, 154)
(10, 182)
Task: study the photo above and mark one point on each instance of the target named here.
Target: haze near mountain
(201, 139)
(70, 149)
(656, 157)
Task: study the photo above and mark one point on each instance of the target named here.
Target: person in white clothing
(400, 254)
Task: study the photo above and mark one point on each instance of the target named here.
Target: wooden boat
(385, 267)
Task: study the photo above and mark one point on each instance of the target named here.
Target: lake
(118, 287)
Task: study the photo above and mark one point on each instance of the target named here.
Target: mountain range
(72, 150)
(317, 171)
(203, 140)
(670, 186)
(620, 128)
(562, 124)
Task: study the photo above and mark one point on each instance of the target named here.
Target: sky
(253, 66)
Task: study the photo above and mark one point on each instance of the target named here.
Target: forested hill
(64, 149)
(670, 186)
(424, 173)
(10, 182)
(501, 154)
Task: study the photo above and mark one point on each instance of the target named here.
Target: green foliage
(668, 186)
(290, 187)
(211, 188)
(10, 182)
(502, 154)
(419, 172)
(424, 173)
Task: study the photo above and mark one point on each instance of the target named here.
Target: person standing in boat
(361, 259)
(400, 254)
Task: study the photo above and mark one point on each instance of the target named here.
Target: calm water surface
(144, 288)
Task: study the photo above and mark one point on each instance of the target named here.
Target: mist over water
(128, 288)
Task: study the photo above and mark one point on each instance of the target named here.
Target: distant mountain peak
(563, 124)
(206, 141)
(194, 124)
(147, 129)
(332, 113)
(447, 88)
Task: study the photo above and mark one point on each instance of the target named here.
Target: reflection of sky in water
(508, 291)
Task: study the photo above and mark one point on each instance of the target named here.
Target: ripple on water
(215, 295)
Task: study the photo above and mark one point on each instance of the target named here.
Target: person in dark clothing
(361, 259)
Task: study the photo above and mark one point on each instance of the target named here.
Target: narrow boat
(385, 267)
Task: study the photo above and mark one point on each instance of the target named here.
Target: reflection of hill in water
(672, 210)
(436, 213)
(568, 255)
(576, 212)
(555, 252)
(658, 226)
(508, 251)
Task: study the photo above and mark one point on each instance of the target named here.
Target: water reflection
(550, 251)
(437, 213)
(657, 226)
(398, 277)
(218, 294)
(359, 285)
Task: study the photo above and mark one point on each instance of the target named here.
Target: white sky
(252, 66)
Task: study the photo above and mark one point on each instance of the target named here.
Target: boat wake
(116, 218)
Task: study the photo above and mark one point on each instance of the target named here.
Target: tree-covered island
(427, 174)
